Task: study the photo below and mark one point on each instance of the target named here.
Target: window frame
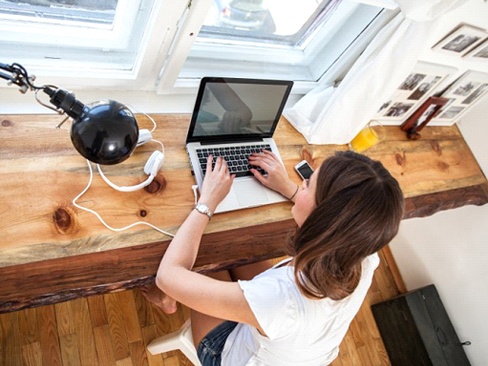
(49, 33)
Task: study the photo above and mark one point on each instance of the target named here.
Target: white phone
(304, 169)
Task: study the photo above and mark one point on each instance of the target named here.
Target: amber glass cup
(369, 136)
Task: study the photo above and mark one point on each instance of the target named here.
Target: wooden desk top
(51, 251)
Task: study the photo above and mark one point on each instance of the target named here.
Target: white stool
(180, 339)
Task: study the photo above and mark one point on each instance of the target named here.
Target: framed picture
(461, 40)
(480, 52)
(462, 95)
(422, 82)
(417, 121)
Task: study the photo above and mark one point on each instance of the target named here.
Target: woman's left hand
(216, 184)
(277, 178)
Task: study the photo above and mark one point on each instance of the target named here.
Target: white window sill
(182, 101)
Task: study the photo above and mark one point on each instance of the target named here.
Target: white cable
(138, 186)
(160, 143)
(125, 188)
(118, 188)
(134, 110)
(195, 194)
(151, 119)
(101, 219)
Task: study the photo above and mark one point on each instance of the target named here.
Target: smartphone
(304, 169)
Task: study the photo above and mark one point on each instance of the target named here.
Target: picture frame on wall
(479, 53)
(461, 40)
(462, 95)
(424, 80)
(419, 119)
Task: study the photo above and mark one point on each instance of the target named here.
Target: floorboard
(114, 330)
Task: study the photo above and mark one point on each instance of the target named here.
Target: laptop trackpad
(249, 192)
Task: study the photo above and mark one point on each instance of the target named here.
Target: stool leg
(180, 339)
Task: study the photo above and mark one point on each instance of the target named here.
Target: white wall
(449, 249)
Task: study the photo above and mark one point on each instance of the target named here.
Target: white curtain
(334, 115)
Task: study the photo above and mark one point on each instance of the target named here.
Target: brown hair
(359, 206)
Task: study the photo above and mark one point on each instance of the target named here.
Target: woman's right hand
(277, 177)
(216, 184)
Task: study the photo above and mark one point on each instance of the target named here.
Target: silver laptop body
(235, 117)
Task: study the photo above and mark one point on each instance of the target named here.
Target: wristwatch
(203, 209)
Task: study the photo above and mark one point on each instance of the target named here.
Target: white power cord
(98, 215)
(195, 194)
(101, 219)
(152, 165)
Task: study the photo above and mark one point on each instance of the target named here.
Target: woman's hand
(216, 184)
(277, 178)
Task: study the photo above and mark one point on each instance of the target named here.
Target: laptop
(234, 117)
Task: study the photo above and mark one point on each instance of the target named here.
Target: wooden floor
(114, 329)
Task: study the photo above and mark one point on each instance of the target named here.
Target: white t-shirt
(300, 331)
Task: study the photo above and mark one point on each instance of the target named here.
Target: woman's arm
(216, 298)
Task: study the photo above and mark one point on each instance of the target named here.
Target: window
(167, 45)
(301, 40)
(72, 30)
(271, 22)
(75, 36)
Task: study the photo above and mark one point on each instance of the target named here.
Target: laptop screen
(233, 109)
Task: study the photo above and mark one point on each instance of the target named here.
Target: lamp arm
(18, 75)
(62, 99)
(3, 75)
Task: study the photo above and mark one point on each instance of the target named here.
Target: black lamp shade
(106, 132)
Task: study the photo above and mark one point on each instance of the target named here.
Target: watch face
(202, 208)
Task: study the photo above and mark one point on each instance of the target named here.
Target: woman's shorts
(210, 348)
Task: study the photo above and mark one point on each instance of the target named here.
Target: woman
(298, 312)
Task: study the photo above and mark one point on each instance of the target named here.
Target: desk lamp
(104, 132)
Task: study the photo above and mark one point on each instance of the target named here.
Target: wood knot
(400, 158)
(443, 166)
(436, 147)
(143, 213)
(6, 123)
(308, 156)
(157, 185)
(64, 220)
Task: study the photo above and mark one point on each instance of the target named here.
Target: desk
(51, 251)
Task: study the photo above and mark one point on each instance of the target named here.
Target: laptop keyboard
(235, 156)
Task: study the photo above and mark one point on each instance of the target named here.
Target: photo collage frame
(421, 83)
(462, 95)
